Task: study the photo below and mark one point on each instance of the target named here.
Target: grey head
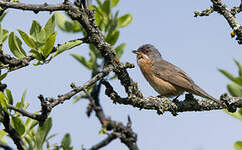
(148, 50)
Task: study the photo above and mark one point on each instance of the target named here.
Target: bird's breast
(164, 88)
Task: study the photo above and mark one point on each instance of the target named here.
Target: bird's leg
(189, 96)
(175, 99)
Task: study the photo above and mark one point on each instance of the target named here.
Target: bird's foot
(175, 99)
(189, 96)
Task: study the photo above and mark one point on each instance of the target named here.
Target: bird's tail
(200, 92)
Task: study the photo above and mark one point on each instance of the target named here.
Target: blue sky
(197, 45)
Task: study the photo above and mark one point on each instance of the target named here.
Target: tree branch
(229, 15)
(104, 142)
(124, 133)
(162, 105)
(11, 131)
(34, 7)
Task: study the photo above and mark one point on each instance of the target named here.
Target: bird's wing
(172, 74)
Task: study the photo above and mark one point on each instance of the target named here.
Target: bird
(165, 78)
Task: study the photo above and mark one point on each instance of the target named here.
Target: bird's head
(147, 51)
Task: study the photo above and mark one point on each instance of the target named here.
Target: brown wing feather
(172, 74)
(178, 77)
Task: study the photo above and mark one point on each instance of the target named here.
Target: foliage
(235, 89)
(41, 43)
(108, 22)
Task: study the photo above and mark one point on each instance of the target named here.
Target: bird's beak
(136, 52)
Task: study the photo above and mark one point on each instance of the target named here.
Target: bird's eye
(146, 51)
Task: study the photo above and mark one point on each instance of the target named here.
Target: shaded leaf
(239, 66)
(49, 45)
(234, 90)
(113, 37)
(124, 20)
(10, 96)
(15, 46)
(3, 76)
(27, 39)
(106, 7)
(43, 131)
(120, 49)
(68, 45)
(66, 142)
(67, 25)
(19, 125)
(2, 16)
(82, 60)
(3, 34)
(37, 55)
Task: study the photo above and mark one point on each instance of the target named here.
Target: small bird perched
(167, 79)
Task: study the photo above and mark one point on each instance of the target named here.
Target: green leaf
(120, 49)
(237, 114)
(83, 61)
(30, 124)
(68, 45)
(43, 131)
(234, 90)
(19, 125)
(107, 6)
(15, 46)
(10, 96)
(61, 21)
(3, 76)
(2, 139)
(103, 131)
(37, 55)
(2, 16)
(20, 104)
(124, 20)
(113, 37)
(27, 39)
(66, 25)
(239, 66)
(37, 32)
(237, 80)
(3, 34)
(3, 100)
(51, 136)
(29, 140)
(50, 26)
(93, 57)
(49, 45)
(238, 145)
(66, 142)
(115, 3)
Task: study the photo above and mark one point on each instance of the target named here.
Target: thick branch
(23, 112)
(162, 105)
(11, 131)
(34, 7)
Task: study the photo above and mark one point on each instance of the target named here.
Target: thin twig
(104, 142)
